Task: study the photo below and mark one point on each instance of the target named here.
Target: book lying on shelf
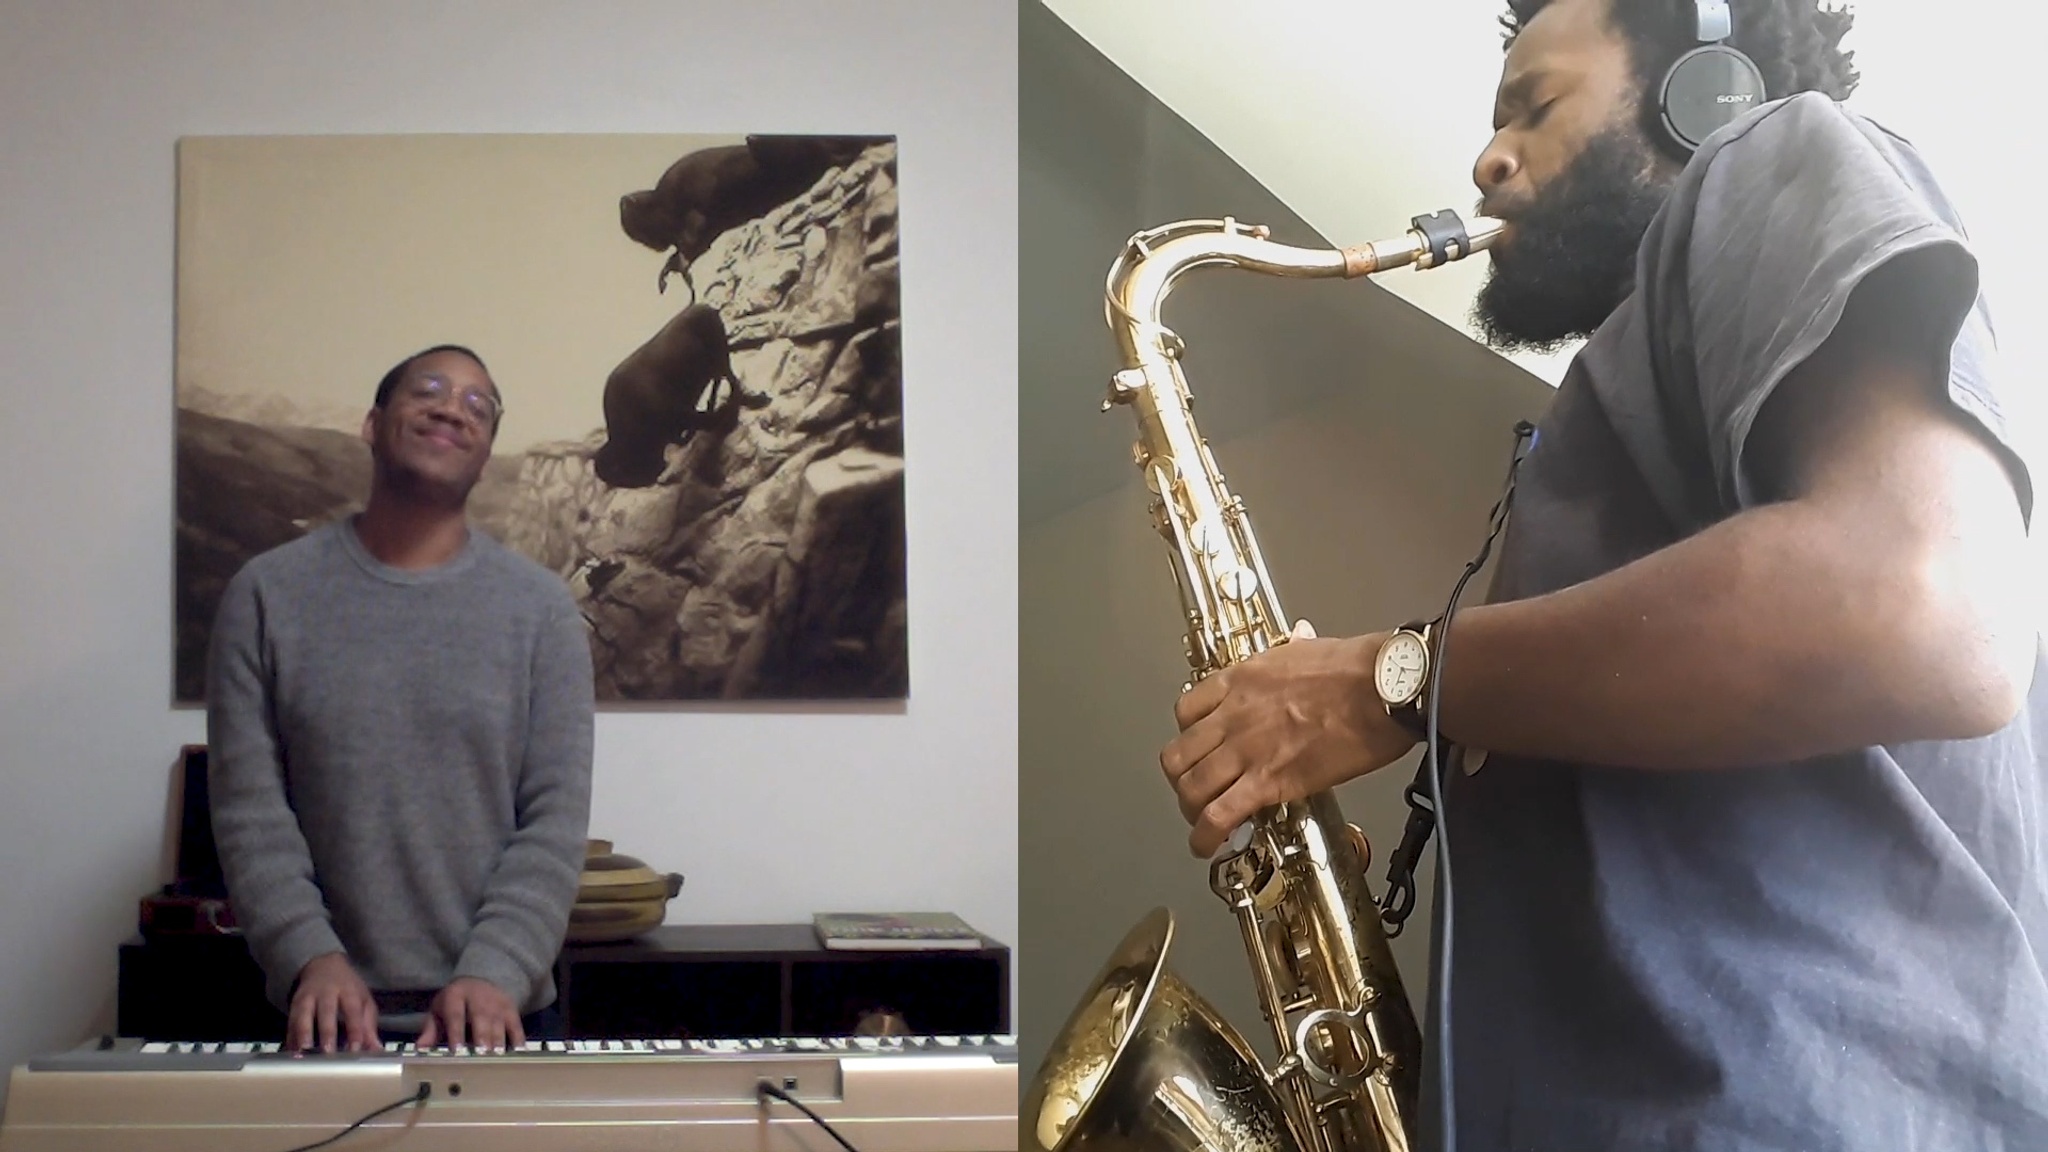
(894, 931)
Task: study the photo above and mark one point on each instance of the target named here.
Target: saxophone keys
(1158, 479)
(1239, 584)
(1123, 386)
(1360, 845)
(1202, 538)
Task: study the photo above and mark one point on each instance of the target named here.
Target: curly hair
(1796, 44)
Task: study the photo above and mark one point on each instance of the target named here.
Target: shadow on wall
(1367, 440)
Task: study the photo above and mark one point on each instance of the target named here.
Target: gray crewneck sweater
(400, 762)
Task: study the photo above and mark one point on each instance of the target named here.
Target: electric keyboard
(882, 1094)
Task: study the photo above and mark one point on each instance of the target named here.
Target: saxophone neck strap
(1421, 793)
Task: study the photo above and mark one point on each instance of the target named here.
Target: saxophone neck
(1152, 260)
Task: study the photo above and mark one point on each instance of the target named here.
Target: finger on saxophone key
(1238, 842)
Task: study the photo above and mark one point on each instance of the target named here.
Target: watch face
(1403, 662)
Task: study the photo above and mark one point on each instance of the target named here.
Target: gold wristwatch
(1400, 673)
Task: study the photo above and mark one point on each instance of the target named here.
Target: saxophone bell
(1144, 1063)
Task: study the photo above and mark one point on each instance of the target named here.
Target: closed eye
(1532, 118)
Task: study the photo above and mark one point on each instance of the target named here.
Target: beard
(1570, 257)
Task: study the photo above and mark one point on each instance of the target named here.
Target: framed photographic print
(697, 340)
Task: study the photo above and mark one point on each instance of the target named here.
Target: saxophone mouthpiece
(1484, 231)
(1430, 242)
(1444, 237)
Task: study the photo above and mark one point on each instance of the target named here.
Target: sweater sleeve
(524, 914)
(263, 854)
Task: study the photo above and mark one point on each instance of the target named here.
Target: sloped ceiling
(1358, 115)
(1101, 156)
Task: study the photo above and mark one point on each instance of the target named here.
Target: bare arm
(1876, 596)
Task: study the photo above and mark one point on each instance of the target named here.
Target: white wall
(772, 812)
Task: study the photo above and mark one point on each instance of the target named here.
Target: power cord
(1427, 807)
(419, 1097)
(764, 1089)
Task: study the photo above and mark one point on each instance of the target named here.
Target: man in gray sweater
(400, 726)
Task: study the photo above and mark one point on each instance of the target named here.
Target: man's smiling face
(433, 436)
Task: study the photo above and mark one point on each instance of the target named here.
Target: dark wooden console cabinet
(775, 980)
(715, 981)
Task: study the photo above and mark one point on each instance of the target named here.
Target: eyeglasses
(480, 404)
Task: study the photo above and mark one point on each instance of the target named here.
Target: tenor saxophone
(1144, 1062)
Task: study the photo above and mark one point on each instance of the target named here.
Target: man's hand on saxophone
(1285, 724)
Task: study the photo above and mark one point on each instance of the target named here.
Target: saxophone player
(1755, 855)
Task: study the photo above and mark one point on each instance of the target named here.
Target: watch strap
(1414, 715)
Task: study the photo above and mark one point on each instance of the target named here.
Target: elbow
(1993, 687)
(1981, 702)
(1968, 662)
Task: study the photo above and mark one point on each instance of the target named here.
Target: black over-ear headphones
(1710, 86)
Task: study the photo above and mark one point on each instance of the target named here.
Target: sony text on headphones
(1710, 86)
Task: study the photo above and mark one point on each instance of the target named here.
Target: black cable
(1440, 985)
(419, 1097)
(764, 1088)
